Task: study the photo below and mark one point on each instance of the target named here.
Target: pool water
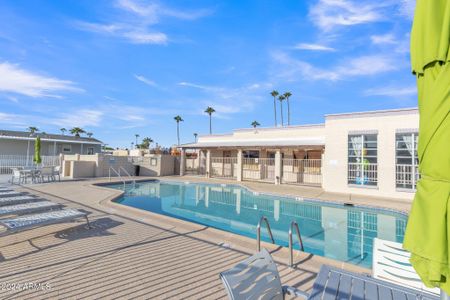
(343, 233)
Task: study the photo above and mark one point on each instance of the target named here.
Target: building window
(67, 148)
(250, 154)
(90, 150)
(153, 161)
(362, 159)
(406, 160)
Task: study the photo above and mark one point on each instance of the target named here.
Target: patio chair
(57, 172)
(18, 200)
(47, 218)
(17, 175)
(10, 194)
(47, 172)
(391, 263)
(26, 208)
(257, 278)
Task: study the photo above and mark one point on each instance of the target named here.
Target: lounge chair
(10, 194)
(47, 172)
(260, 273)
(26, 208)
(18, 200)
(31, 221)
(257, 278)
(391, 263)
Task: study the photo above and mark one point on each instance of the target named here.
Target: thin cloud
(329, 14)
(82, 118)
(387, 38)
(14, 79)
(292, 69)
(134, 22)
(145, 80)
(392, 91)
(313, 47)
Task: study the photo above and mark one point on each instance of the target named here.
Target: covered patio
(289, 160)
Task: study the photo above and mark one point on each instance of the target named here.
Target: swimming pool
(344, 233)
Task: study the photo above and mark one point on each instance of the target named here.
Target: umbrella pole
(444, 295)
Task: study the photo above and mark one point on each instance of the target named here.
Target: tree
(63, 130)
(195, 136)
(281, 99)
(76, 131)
(89, 134)
(146, 143)
(274, 94)
(32, 130)
(178, 119)
(209, 110)
(137, 136)
(286, 96)
(255, 124)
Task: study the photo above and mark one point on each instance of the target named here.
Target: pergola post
(182, 162)
(208, 163)
(239, 165)
(278, 166)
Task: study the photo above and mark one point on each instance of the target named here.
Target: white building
(372, 153)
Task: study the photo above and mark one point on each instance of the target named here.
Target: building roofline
(303, 126)
(397, 111)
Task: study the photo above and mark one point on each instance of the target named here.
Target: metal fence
(406, 176)
(223, 167)
(258, 169)
(196, 166)
(302, 171)
(363, 173)
(16, 161)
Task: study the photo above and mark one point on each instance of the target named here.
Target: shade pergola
(427, 233)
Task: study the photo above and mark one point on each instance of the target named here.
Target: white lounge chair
(17, 176)
(10, 194)
(391, 263)
(31, 221)
(26, 208)
(18, 200)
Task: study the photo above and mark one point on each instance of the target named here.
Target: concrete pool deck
(130, 253)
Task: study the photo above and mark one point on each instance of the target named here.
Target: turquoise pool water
(344, 233)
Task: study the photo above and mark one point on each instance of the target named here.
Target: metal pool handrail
(258, 232)
(300, 242)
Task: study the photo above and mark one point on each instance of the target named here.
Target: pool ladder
(294, 225)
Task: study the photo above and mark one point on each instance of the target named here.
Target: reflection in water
(334, 231)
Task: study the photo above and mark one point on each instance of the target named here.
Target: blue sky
(116, 68)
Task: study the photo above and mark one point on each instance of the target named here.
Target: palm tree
(89, 134)
(195, 136)
(281, 99)
(137, 135)
(32, 130)
(76, 131)
(255, 124)
(146, 142)
(287, 95)
(209, 110)
(178, 119)
(274, 94)
(63, 130)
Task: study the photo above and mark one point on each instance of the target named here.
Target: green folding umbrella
(428, 231)
(37, 151)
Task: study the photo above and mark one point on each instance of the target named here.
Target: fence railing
(302, 171)
(196, 166)
(16, 161)
(258, 169)
(363, 173)
(223, 167)
(406, 176)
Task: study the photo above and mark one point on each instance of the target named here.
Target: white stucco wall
(337, 128)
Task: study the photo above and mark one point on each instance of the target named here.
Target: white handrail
(118, 175)
(128, 174)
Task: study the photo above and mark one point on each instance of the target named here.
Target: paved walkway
(130, 253)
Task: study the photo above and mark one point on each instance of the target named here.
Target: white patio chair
(57, 172)
(47, 172)
(391, 263)
(17, 175)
